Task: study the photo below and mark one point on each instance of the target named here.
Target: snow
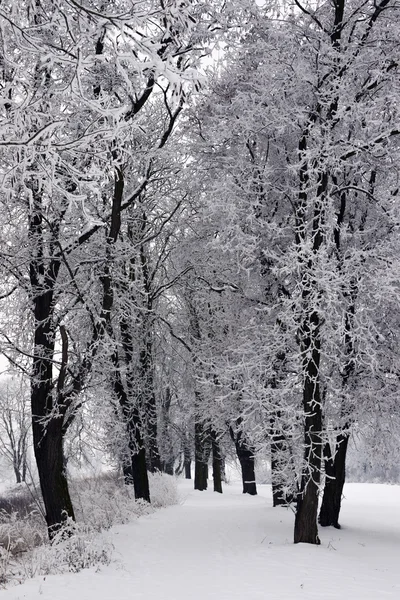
(234, 546)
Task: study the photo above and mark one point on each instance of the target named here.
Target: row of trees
(197, 259)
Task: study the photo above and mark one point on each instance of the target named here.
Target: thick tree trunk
(335, 471)
(217, 463)
(48, 447)
(47, 417)
(305, 528)
(188, 470)
(140, 477)
(246, 459)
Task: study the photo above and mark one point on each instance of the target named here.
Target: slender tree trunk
(187, 459)
(201, 455)
(135, 468)
(335, 471)
(168, 461)
(152, 433)
(149, 401)
(280, 466)
(17, 474)
(278, 494)
(217, 463)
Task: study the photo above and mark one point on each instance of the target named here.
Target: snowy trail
(238, 547)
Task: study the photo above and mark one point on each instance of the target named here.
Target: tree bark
(47, 410)
(48, 444)
(305, 528)
(335, 472)
(149, 403)
(201, 455)
(217, 463)
(187, 459)
(135, 469)
(246, 459)
(188, 470)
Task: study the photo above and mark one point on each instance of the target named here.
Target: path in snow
(234, 546)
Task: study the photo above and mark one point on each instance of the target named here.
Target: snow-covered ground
(238, 547)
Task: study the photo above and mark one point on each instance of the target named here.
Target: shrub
(100, 502)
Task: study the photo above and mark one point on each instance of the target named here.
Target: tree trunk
(149, 403)
(48, 446)
(279, 468)
(335, 471)
(201, 454)
(246, 459)
(169, 456)
(217, 463)
(305, 527)
(47, 408)
(17, 474)
(140, 477)
(188, 470)
(278, 494)
(135, 468)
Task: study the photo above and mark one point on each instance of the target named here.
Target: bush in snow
(163, 490)
(100, 502)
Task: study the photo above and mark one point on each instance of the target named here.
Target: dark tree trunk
(217, 463)
(335, 471)
(48, 444)
(187, 457)
(305, 528)
(201, 455)
(146, 362)
(223, 469)
(246, 459)
(154, 458)
(47, 415)
(168, 466)
(134, 468)
(188, 470)
(168, 461)
(140, 477)
(200, 476)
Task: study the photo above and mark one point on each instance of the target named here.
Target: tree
(77, 84)
(15, 424)
(294, 148)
